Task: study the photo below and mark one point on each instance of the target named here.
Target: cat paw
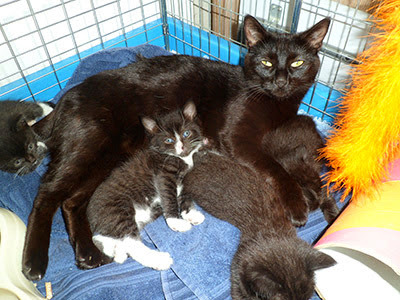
(90, 257)
(120, 256)
(34, 267)
(159, 261)
(298, 214)
(180, 225)
(193, 216)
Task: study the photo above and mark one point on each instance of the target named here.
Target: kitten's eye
(169, 141)
(18, 162)
(297, 63)
(186, 134)
(266, 63)
(31, 146)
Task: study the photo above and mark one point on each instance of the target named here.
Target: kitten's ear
(318, 260)
(189, 110)
(150, 125)
(316, 34)
(19, 123)
(253, 31)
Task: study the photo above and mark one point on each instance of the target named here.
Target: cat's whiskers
(20, 171)
(254, 93)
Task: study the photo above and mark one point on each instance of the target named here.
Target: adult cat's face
(21, 151)
(176, 133)
(280, 65)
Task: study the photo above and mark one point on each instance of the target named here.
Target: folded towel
(202, 256)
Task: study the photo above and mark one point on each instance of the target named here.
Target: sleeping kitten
(145, 187)
(21, 150)
(95, 124)
(271, 262)
(294, 145)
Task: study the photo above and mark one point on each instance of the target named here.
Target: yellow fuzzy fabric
(368, 134)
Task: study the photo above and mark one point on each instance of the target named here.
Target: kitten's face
(176, 133)
(282, 65)
(276, 269)
(20, 148)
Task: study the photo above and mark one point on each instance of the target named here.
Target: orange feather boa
(368, 134)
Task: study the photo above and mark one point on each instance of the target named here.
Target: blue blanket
(201, 256)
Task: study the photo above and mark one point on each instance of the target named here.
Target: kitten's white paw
(180, 225)
(193, 216)
(159, 261)
(120, 254)
(106, 244)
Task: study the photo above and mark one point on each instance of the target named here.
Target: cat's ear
(316, 34)
(189, 110)
(253, 31)
(317, 260)
(150, 125)
(18, 123)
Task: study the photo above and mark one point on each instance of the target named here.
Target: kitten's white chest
(189, 159)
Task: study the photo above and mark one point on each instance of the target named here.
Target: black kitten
(145, 187)
(271, 262)
(295, 145)
(21, 149)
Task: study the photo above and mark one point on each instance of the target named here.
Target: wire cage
(42, 42)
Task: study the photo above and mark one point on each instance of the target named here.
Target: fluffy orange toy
(368, 134)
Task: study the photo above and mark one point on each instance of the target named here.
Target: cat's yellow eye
(297, 63)
(266, 63)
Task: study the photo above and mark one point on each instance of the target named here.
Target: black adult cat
(145, 187)
(96, 126)
(21, 150)
(271, 262)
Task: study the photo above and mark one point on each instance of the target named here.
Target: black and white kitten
(271, 262)
(21, 149)
(145, 187)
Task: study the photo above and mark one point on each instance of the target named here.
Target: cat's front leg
(189, 211)
(168, 190)
(37, 239)
(87, 255)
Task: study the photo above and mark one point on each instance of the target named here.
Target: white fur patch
(178, 144)
(156, 200)
(119, 249)
(108, 244)
(41, 146)
(189, 159)
(142, 216)
(180, 225)
(194, 216)
(31, 122)
(46, 109)
(179, 189)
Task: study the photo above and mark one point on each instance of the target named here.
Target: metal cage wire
(41, 42)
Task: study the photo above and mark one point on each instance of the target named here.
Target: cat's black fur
(271, 262)
(21, 149)
(295, 146)
(148, 181)
(95, 126)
